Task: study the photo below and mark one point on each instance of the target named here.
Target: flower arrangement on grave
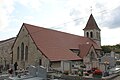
(97, 73)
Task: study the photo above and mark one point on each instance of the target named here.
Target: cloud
(106, 13)
(72, 15)
(79, 10)
(110, 36)
(33, 4)
(114, 20)
(6, 8)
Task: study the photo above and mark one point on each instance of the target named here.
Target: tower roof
(91, 24)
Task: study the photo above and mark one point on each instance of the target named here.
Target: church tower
(92, 30)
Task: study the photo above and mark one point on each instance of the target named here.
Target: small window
(87, 34)
(40, 62)
(99, 60)
(91, 34)
(26, 53)
(18, 53)
(98, 36)
(22, 51)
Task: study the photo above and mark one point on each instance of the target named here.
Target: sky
(68, 16)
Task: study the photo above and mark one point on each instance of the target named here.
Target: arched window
(87, 34)
(91, 34)
(26, 53)
(22, 51)
(92, 56)
(98, 35)
(18, 53)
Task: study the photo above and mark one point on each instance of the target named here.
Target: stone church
(35, 45)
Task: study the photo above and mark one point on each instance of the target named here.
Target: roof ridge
(84, 49)
(7, 39)
(52, 30)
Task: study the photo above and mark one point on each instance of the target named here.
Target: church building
(35, 45)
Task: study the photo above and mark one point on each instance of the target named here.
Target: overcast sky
(68, 16)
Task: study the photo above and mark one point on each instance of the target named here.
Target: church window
(26, 53)
(92, 56)
(40, 62)
(22, 51)
(97, 35)
(87, 34)
(91, 34)
(17, 53)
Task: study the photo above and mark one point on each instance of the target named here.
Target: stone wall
(5, 52)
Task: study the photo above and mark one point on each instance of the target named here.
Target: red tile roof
(84, 49)
(91, 24)
(56, 45)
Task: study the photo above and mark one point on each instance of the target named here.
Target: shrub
(66, 72)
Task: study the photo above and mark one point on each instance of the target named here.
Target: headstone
(112, 54)
(32, 71)
(41, 72)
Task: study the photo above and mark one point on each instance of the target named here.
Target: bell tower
(92, 30)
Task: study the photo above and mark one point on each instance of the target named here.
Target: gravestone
(38, 71)
(32, 71)
(41, 72)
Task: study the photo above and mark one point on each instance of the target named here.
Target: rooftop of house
(7, 40)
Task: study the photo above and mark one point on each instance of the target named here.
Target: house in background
(61, 51)
(5, 52)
